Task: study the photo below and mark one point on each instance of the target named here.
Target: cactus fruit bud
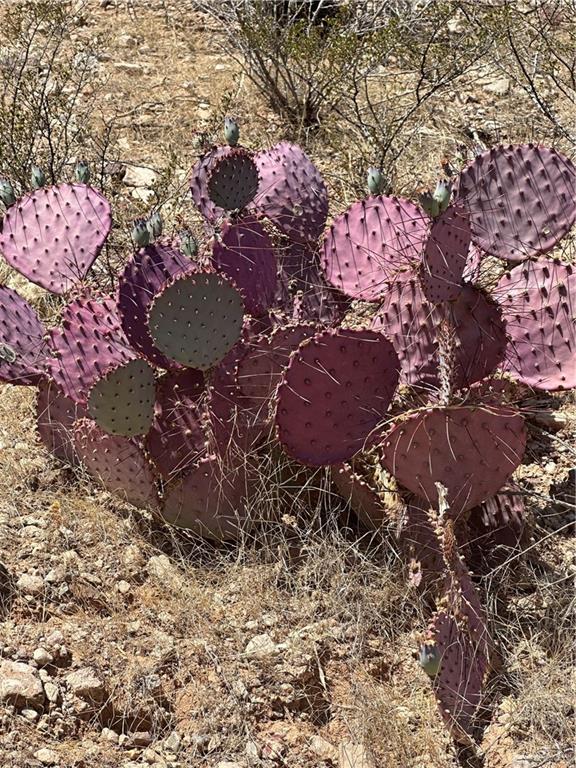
(188, 244)
(7, 193)
(442, 194)
(429, 204)
(376, 181)
(37, 177)
(430, 659)
(231, 131)
(155, 225)
(82, 172)
(7, 353)
(140, 233)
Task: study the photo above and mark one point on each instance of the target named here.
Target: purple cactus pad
(210, 500)
(144, 276)
(55, 417)
(199, 183)
(411, 323)
(233, 180)
(373, 243)
(53, 235)
(244, 252)
(520, 199)
(334, 393)
(538, 301)
(89, 343)
(292, 193)
(445, 256)
(22, 347)
(177, 438)
(471, 451)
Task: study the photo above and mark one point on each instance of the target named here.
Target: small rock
(229, 764)
(260, 647)
(161, 568)
(55, 638)
(499, 86)
(30, 585)
(129, 67)
(252, 750)
(30, 714)
(353, 755)
(20, 684)
(137, 176)
(138, 739)
(127, 41)
(123, 587)
(108, 735)
(173, 742)
(47, 756)
(86, 684)
(42, 657)
(323, 749)
(52, 692)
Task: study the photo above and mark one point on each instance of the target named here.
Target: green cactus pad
(122, 401)
(197, 319)
(233, 181)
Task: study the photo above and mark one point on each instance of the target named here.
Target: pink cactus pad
(143, 277)
(520, 200)
(260, 368)
(459, 681)
(210, 500)
(411, 323)
(233, 180)
(538, 301)
(244, 252)
(119, 463)
(292, 193)
(373, 243)
(89, 343)
(445, 256)
(53, 235)
(334, 393)
(471, 451)
(22, 346)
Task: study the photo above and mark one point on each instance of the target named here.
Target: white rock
(86, 684)
(52, 692)
(47, 756)
(42, 657)
(261, 646)
(30, 585)
(353, 755)
(129, 67)
(107, 734)
(20, 684)
(323, 749)
(138, 176)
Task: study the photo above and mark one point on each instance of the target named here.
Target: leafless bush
(49, 87)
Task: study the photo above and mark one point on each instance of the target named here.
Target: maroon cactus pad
(362, 497)
(474, 258)
(89, 343)
(372, 243)
(233, 180)
(177, 438)
(261, 367)
(210, 500)
(55, 417)
(292, 193)
(22, 345)
(538, 300)
(334, 393)
(458, 684)
(520, 200)
(471, 451)
(119, 463)
(445, 256)
(199, 183)
(411, 323)
(244, 253)
(143, 277)
(53, 235)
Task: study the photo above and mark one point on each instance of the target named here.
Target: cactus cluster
(210, 352)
